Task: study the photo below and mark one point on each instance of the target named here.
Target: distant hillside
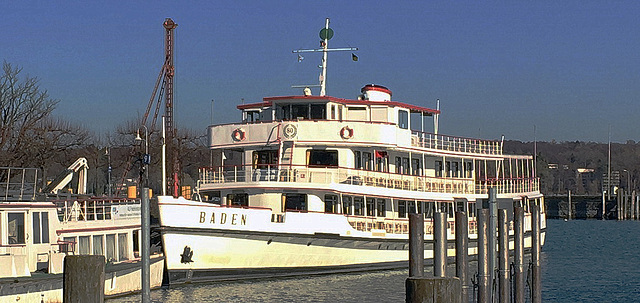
(581, 166)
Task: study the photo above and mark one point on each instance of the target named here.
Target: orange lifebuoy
(238, 134)
(346, 132)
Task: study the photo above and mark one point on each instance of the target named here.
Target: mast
(326, 34)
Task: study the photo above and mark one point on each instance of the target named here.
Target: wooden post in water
(416, 245)
(462, 252)
(484, 288)
(503, 257)
(569, 213)
(536, 283)
(83, 279)
(440, 245)
(633, 205)
(619, 195)
(518, 222)
(604, 206)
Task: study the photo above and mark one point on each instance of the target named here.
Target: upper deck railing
(455, 144)
(337, 175)
(18, 184)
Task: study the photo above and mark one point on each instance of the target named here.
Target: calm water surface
(582, 261)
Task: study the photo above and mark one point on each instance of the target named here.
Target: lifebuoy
(238, 134)
(346, 132)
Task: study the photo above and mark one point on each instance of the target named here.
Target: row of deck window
(16, 228)
(105, 245)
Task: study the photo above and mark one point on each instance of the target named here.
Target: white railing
(317, 175)
(455, 144)
(18, 183)
(90, 210)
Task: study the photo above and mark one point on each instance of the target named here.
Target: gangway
(80, 166)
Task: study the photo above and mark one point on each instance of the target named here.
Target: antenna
(325, 34)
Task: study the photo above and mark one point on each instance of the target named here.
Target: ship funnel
(374, 92)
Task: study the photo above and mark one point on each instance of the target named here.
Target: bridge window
(318, 111)
(322, 158)
(15, 228)
(240, 199)
(265, 159)
(403, 119)
(295, 201)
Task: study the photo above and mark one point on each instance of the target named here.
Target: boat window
(428, 208)
(331, 204)
(366, 160)
(472, 209)
(40, 227)
(405, 165)
(357, 113)
(333, 112)
(98, 245)
(358, 206)
(382, 208)
(398, 165)
(382, 161)
(455, 168)
(84, 247)
(68, 245)
(212, 197)
(111, 247)
(402, 209)
(358, 159)
(252, 116)
(241, 199)
(15, 228)
(438, 168)
(346, 205)
(415, 166)
(136, 243)
(318, 111)
(403, 119)
(468, 169)
(322, 158)
(299, 111)
(411, 207)
(371, 207)
(295, 201)
(264, 159)
(123, 247)
(340, 112)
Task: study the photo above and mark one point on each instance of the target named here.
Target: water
(582, 261)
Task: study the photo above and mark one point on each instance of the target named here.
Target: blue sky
(571, 68)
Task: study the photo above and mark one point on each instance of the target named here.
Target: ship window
(299, 111)
(68, 245)
(438, 168)
(331, 204)
(398, 165)
(253, 116)
(415, 166)
(411, 207)
(381, 208)
(428, 208)
(238, 199)
(322, 158)
(318, 111)
(382, 161)
(358, 159)
(15, 227)
(403, 119)
(346, 205)
(265, 159)
(40, 227)
(333, 112)
(98, 245)
(358, 205)
(84, 247)
(123, 247)
(468, 169)
(295, 202)
(405, 165)
(111, 247)
(455, 166)
(136, 243)
(371, 207)
(366, 160)
(402, 209)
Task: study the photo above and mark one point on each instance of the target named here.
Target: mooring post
(503, 256)
(416, 245)
(440, 245)
(619, 194)
(570, 211)
(83, 279)
(536, 283)
(484, 289)
(493, 239)
(604, 207)
(146, 246)
(518, 222)
(462, 252)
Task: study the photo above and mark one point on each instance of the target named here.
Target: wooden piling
(462, 252)
(536, 283)
(518, 222)
(440, 245)
(433, 290)
(83, 279)
(503, 257)
(570, 211)
(484, 288)
(416, 245)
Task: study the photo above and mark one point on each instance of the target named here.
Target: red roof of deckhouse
(268, 101)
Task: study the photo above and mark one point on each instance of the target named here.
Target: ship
(314, 184)
(41, 225)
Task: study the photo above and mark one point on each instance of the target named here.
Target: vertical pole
(569, 214)
(503, 263)
(462, 252)
(619, 195)
(146, 245)
(440, 245)
(493, 241)
(416, 245)
(323, 76)
(604, 206)
(536, 285)
(164, 158)
(484, 291)
(519, 254)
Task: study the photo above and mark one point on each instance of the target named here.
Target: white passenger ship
(318, 184)
(37, 232)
